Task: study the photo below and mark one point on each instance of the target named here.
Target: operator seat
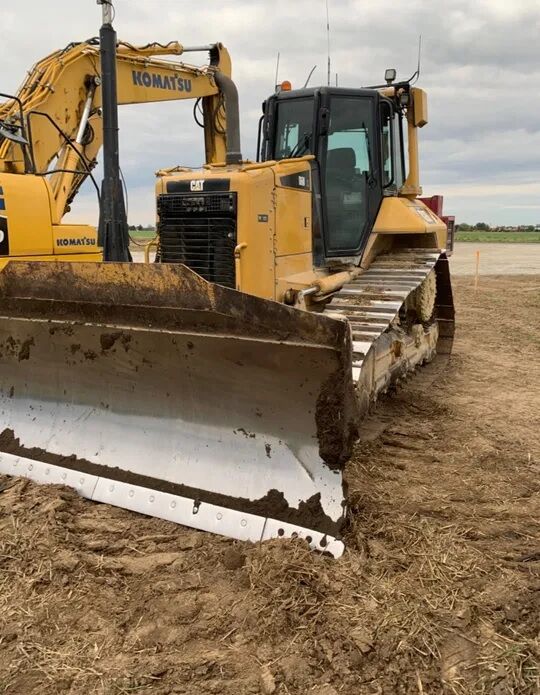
(341, 162)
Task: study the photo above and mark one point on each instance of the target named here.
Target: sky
(480, 66)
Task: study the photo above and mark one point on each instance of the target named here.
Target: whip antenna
(416, 74)
(309, 76)
(277, 71)
(419, 56)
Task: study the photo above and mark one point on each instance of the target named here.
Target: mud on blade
(151, 389)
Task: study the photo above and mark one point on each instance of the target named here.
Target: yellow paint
(58, 87)
(238, 264)
(294, 272)
(274, 219)
(274, 234)
(28, 214)
(80, 239)
(293, 211)
(72, 258)
(255, 220)
(404, 216)
(153, 244)
(416, 118)
(30, 231)
(420, 109)
(256, 227)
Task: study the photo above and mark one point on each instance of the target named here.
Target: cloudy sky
(480, 66)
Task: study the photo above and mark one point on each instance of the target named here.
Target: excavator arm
(53, 125)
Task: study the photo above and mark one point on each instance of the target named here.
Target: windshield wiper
(369, 178)
(301, 146)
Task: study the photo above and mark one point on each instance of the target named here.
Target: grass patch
(140, 237)
(506, 237)
(142, 233)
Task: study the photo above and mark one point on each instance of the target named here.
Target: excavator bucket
(148, 388)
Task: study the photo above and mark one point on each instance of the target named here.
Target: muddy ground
(438, 592)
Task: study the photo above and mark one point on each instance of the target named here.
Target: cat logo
(197, 185)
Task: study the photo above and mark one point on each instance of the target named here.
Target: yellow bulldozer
(222, 386)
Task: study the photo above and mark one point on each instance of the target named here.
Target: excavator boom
(56, 114)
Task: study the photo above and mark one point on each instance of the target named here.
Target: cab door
(349, 161)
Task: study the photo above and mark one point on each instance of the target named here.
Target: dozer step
(380, 307)
(394, 273)
(361, 347)
(369, 293)
(405, 264)
(381, 283)
(408, 253)
(375, 320)
(358, 321)
(374, 328)
(363, 337)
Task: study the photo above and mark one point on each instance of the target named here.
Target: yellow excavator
(222, 386)
(51, 132)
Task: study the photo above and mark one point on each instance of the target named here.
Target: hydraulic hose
(232, 110)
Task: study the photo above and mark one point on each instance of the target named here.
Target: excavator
(222, 387)
(51, 132)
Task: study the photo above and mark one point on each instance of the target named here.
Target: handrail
(29, 161)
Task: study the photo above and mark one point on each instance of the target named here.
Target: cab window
(294, 136)
(348, 173)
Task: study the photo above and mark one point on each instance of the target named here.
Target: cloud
(481, 148)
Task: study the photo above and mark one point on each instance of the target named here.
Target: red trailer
(435, 204)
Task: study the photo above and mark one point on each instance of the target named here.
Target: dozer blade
(148, 388)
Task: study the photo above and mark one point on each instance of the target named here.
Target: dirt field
(507, 259)
(494, 258)
(439, 591)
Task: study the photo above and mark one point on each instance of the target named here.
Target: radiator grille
(200, 232)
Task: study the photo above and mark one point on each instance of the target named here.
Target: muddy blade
(150, 389)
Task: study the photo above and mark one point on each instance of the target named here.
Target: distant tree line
(140, 228)
(484, 227)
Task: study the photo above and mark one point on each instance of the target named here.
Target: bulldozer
(222, 387)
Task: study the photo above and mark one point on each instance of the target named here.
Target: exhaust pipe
(232, 111)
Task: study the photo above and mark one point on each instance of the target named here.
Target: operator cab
(356, 137)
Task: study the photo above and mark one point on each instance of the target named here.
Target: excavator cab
(356, 138)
